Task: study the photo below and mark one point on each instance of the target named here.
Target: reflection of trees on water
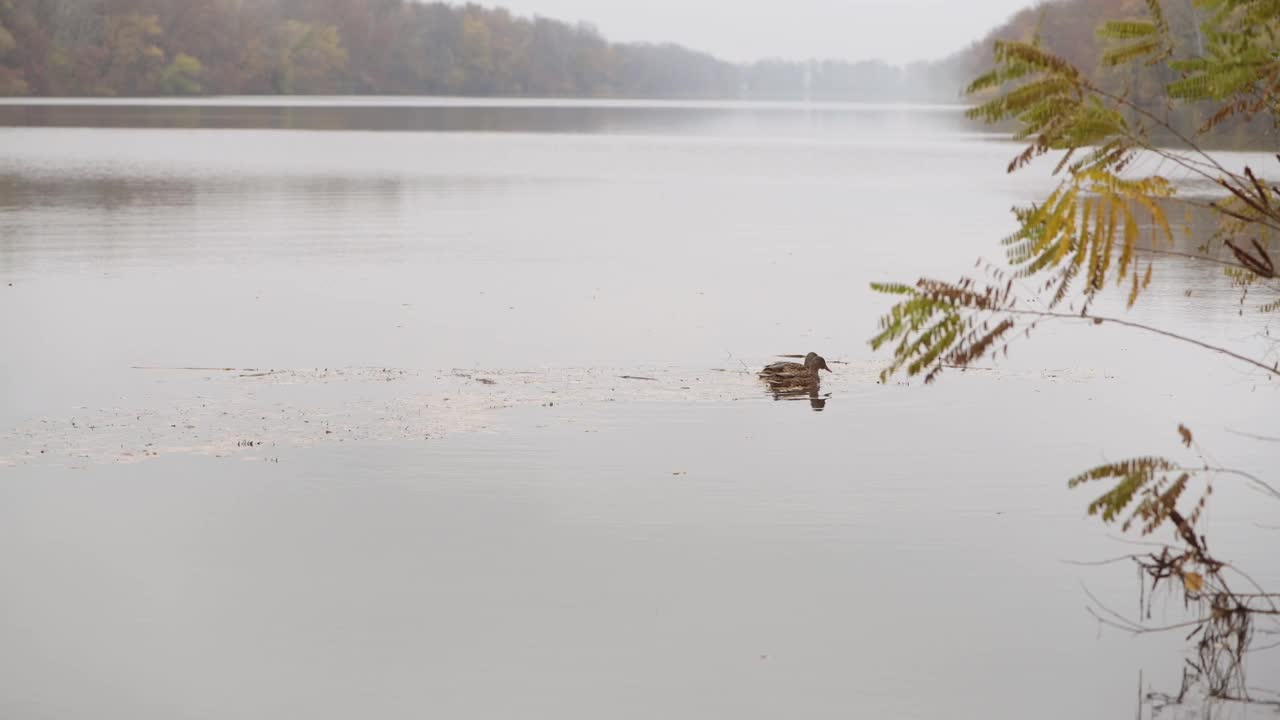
(1196, 264)
(82, 191)
(73, 214)
(727, 120)
(1192, 701)
(121, 192)
(88, 217)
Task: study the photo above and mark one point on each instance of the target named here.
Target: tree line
(193, 47)
(1068, 30)
(404, 47)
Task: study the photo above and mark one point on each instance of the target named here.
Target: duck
(790, 373)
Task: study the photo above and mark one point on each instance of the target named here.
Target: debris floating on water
(229, 411)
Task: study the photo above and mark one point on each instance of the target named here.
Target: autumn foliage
(1122, 148)
(390, 47)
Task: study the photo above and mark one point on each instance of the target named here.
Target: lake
(406, 408)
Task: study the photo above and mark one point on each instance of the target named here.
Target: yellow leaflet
(1068, 236)
(1130, 240)
(1109, 248)
(1083, 243)
(1157, 217)
(1055, 220)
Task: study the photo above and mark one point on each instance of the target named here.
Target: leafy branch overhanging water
(1100, 228)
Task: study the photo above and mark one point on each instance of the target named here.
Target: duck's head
(815, 362)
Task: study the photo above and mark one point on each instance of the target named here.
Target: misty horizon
(798, 31)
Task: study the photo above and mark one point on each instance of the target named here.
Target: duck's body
(791, 373)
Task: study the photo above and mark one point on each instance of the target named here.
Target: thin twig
(1099, 319)
(1251, 436)
(1192, 256)
(1100, 563)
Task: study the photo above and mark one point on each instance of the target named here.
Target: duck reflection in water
(817, 401)
(793, 381)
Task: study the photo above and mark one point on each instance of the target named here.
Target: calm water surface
(568, 544)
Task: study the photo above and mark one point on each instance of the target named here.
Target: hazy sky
(894, 30)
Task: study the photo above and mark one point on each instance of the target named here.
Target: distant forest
(404, 47)
(392, 47)
(1067, 28)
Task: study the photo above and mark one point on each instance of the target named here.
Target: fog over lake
(403, 408)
